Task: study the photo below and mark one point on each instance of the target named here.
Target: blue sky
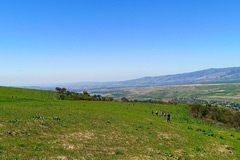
(58, 41)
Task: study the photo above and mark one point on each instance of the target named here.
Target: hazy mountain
(208, 76)
(214, 75)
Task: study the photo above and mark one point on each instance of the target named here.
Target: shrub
(36, 148)
(230, 148)
(189, 127)
(199, 149)
(38, 117)
(225, 116)
(117, 152)
(14, 121)
(169, 154)
(21, 145)
(124, 99)
(56, 119)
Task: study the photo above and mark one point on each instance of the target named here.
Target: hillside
(18, 94)
(37, 126)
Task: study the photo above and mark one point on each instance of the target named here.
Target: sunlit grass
(46, 128)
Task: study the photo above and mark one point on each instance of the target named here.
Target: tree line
(213, 113)
(64, 94)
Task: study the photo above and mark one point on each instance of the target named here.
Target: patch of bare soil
(74, 140)
(61, 158)
(80, 135)
(144, 157)
(222, 149)
(66, 158)
(169, 136)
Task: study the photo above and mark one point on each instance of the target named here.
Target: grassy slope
(18, 94)
(104, 130)
(222, 92)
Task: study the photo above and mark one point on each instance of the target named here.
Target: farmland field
(35, 125)
(221, 92)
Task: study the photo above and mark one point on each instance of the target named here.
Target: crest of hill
(13, 94)
(208, 76)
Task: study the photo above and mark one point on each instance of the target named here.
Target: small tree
(109, 98)
(124, 99)
(86, 93)
(135, 100)
(61, 92)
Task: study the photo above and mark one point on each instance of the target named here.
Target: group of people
(165, 115)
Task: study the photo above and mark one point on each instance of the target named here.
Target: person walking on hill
(152, 112)
(157, 113)
(168, 118)
(165, 115)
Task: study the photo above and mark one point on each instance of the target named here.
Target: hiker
(168, 118)
(152, 112)
(165, 115)
(157, 113)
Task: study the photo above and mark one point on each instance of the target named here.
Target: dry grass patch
(80, 136)
(170, 136)
(221, 149)
(144, 157)
(66, 158)
(74, 140)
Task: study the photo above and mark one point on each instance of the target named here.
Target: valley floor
(219, 92)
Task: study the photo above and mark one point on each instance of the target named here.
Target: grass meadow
(35, 125)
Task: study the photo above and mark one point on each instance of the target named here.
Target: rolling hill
(36, 125)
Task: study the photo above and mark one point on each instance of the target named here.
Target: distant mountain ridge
(213, 75)
(208, 76)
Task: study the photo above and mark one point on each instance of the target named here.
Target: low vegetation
(64, 94)
(216, 114)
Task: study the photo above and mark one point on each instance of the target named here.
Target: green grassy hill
(37, 126)
(18, 94)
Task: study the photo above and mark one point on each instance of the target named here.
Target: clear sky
(57, 41)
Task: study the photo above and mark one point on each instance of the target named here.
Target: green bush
(225, 116)
(14, 121)
(118, 152)
(199, 149)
